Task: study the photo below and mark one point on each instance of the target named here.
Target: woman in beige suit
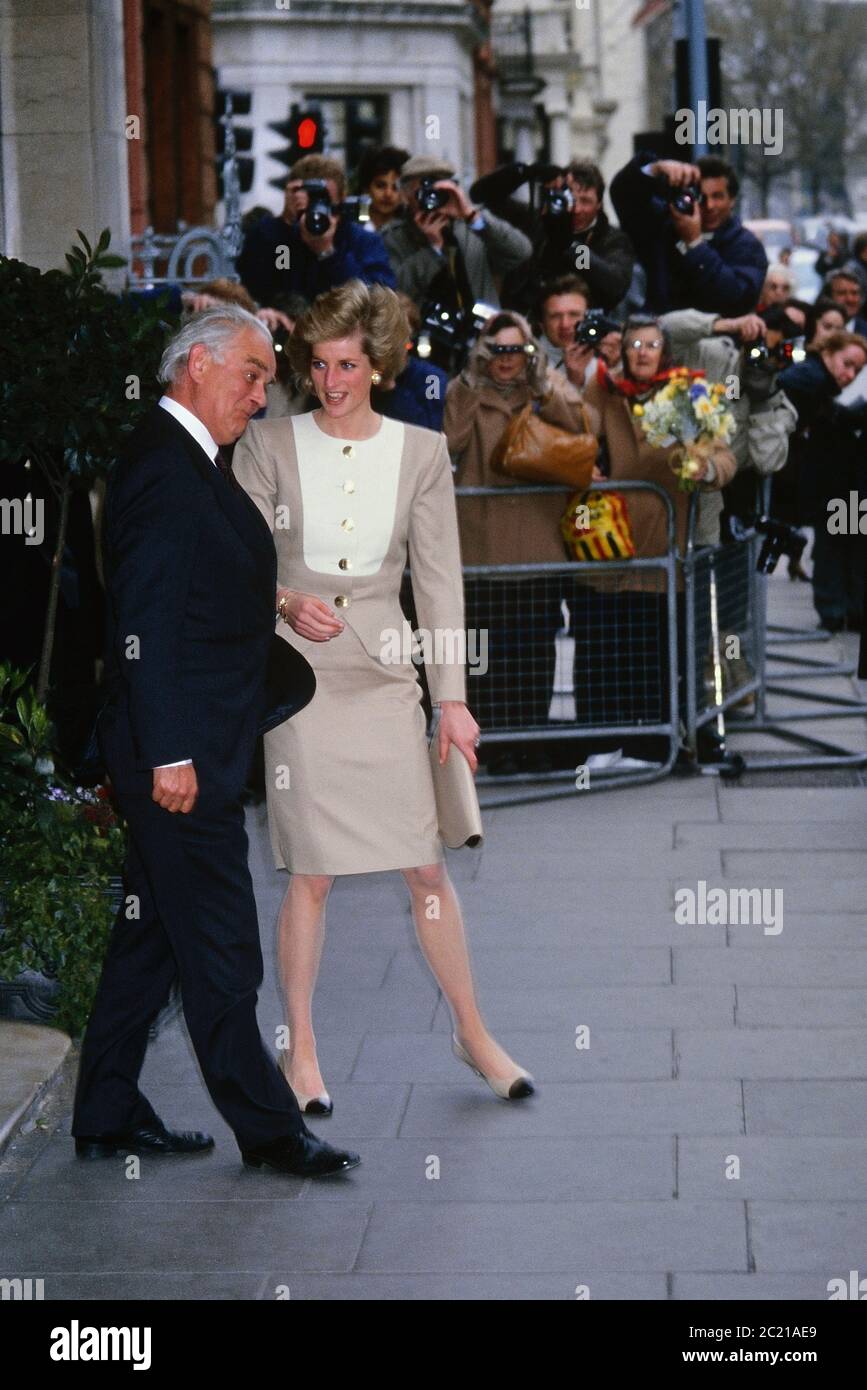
(507, 370)
(347, 493)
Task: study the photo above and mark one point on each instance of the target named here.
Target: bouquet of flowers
(689, 412)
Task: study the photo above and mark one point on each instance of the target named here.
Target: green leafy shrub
(77, 370)
(61, 853)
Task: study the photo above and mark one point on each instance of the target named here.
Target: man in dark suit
(191, 578)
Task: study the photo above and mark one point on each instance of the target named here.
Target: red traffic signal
(308, 133)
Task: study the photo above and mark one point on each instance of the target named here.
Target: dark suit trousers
(197, 920)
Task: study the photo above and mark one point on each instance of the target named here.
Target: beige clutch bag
(458, 813)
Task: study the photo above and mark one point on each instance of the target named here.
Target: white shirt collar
(192, 424)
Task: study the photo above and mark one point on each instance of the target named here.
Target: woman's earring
(376, 377)
(307, 383)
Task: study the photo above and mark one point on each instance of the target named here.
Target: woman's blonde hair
(371, 310)
(476, 370)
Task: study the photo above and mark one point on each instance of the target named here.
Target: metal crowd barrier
(610, 678)
(726, 598)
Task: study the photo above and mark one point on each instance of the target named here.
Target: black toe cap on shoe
(521, 1088)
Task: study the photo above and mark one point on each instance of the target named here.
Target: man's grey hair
(214, 328)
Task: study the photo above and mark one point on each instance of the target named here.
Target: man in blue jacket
(700, 259)
(281, 258)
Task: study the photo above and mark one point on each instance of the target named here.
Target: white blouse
(349, 495)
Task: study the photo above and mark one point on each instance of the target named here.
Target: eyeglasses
(499, 348)
(636, 343)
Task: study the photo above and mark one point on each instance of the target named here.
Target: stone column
(62, 111)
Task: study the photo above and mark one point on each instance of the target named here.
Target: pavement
(700, 1130)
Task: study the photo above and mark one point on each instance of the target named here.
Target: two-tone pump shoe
(516, 1087)
(319, 1106)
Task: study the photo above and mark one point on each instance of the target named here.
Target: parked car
(802, 264)
(813, 230)
(774, 233)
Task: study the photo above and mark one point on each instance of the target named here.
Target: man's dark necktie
(224, 463)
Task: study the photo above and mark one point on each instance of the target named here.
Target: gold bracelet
(281, 607)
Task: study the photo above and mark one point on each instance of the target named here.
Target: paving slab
(570, 1237)
(156, 1236)
(531, 1170)
(658, 1006)
(806, 1107)
(745, 966)
(815, 836)
(780, 1053)
(609, 1054)
(806, 1008)
(763, 1288)
(594, 1107)
(778, 805)
(429, 1288)
(828, 1237)
(791, 1169)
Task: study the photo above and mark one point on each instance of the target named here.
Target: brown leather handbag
(532, 451)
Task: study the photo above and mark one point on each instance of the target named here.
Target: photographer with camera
(829, 452)
(682, 222)
(574, 336)
(749, 351)
(443, 248)
(575, 234)
(314, 245)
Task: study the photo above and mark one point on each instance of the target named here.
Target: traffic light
(305, 132)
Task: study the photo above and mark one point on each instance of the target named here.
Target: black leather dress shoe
(152, 1139)
(304, 1156)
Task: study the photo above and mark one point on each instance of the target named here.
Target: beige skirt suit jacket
(348, 781)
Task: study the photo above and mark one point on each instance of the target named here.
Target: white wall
(424, 69)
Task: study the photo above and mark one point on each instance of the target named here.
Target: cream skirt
(348, 781)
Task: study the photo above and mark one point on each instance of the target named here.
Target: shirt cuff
(185, 762)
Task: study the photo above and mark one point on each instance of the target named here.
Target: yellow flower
(638, 410)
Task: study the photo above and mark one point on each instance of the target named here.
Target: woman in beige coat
(507, 368)
(347, 494)
(620, 621)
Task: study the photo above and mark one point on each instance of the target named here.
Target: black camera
(557, 202)
(430, 198)
(762, 365)
(780, 539)
(684, 200)
(594, 327)
(447, 333)
(783, 355)
(319, 210)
